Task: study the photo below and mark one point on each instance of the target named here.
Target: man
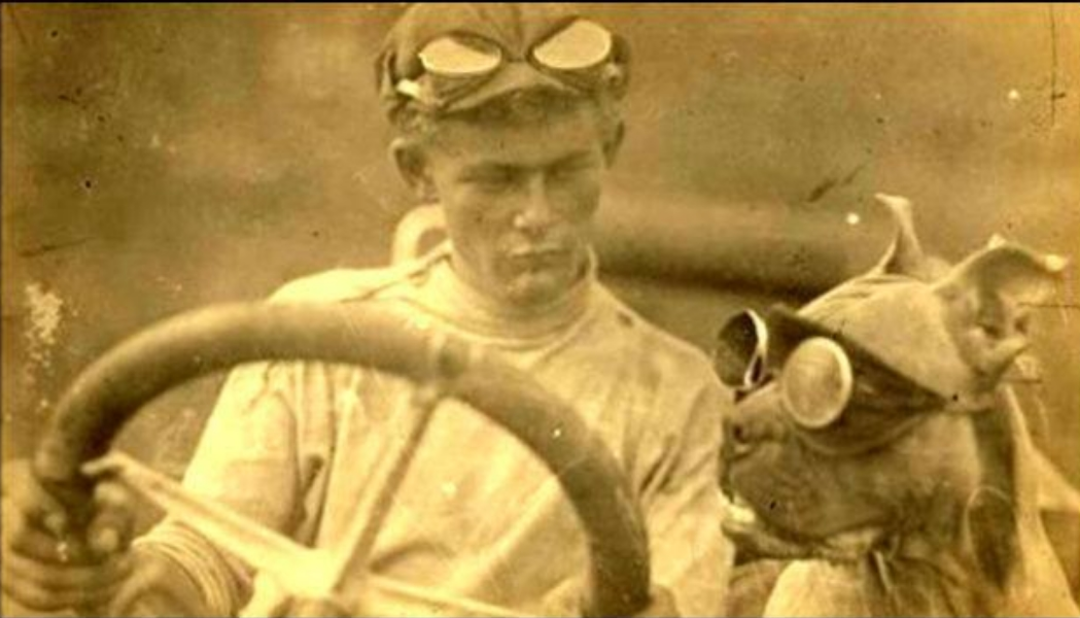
(506, 115)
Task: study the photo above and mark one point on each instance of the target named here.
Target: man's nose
(535, 213)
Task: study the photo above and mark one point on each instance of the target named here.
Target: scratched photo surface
(157, 159)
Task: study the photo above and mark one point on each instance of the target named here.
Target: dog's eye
(816, 383)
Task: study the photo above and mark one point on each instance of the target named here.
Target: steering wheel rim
(109, 392)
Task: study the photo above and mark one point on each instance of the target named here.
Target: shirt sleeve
(249, 459)
(691, 557)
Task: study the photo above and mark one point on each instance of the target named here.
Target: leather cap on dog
(953, 330)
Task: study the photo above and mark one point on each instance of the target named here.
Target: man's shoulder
(673, 372)
(345, 284)
(662, 347)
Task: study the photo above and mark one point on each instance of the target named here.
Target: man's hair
(518, 107)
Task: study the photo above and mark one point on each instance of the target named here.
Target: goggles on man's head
(582, 56)
(820, 376)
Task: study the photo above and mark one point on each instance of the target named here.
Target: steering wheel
(112, 389)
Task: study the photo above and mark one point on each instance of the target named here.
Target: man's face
(519, 199)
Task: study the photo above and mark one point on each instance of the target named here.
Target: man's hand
(49, 566)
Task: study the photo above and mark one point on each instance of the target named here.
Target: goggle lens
(581, 45)
(816, 383)
(460, 57)
(740, 353)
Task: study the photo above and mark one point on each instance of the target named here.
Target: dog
(875, 441)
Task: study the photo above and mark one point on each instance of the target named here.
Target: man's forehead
(508, 150)
(545, 137)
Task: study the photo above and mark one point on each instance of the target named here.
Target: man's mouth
(537, 251)
(538, 257)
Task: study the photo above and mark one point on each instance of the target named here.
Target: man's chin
(538, 288)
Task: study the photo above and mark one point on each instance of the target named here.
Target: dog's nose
(743, 432)
(737, 438)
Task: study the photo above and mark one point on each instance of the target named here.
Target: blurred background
(161, 157)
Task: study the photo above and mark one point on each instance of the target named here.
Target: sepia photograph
(540, 309)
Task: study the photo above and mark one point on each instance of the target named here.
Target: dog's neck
(948, 555)
(918, 578)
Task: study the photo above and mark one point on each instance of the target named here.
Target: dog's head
(874, 412)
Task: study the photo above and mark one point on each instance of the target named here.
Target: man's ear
(989, 297)
(413, 167)
(613, 143)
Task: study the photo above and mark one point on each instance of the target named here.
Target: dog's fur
(917, 502)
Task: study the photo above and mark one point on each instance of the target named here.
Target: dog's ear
(905, 256)
(989, 297)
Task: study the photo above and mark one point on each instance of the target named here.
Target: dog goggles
(819, 375)
(582, 55)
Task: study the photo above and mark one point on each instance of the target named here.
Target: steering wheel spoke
(305, 571)
(352, 555)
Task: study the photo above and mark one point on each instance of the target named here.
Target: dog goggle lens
(739, 356)
(581, 45)
(816, 383)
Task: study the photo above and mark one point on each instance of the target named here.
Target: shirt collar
(447, 295)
